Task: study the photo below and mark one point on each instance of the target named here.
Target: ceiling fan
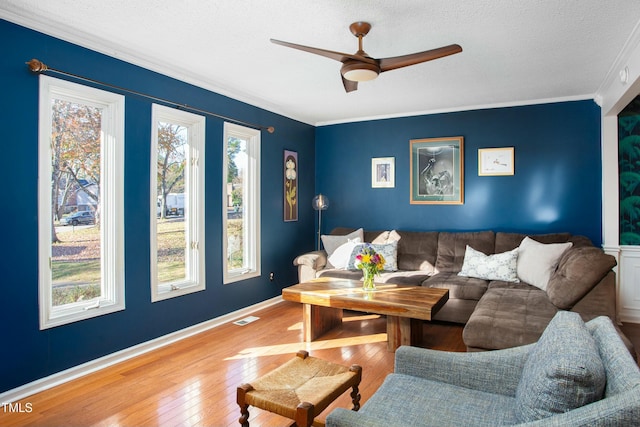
(360, 67)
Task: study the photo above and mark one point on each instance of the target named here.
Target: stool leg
(244, 407)
(304, 414)
(355, 398)
(355, 392)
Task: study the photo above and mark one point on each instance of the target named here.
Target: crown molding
(622, 82)
(459, 109)
(103, 46)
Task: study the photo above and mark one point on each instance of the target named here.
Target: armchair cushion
(563, 372)
(394, 405)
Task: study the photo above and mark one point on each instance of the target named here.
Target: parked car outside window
(84, 217)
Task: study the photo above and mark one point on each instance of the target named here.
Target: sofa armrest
(309, 264)
(315, 260)
(496, 371)
(623, 409)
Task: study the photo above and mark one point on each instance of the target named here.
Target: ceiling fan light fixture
(359, 71)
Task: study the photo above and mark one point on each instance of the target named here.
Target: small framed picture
(383, 172)
(495, 161)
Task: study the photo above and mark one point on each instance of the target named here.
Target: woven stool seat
(300, 389)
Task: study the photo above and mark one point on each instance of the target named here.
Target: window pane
(80, 209)
(241, 215)
(171, 210)
(177, 203)
(237, 171)
(75, 202)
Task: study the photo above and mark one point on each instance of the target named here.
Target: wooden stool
(300, 389)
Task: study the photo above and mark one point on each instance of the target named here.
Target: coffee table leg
(403, 331)
(319, 320)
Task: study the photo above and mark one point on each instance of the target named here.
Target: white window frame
(112, 200)
(195, 277)
(251, 205)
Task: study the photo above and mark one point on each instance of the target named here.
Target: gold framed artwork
(495, 161)
(437, 171)
(383, 172)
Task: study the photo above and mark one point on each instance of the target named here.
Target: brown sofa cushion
(417, 250)
(461, 287)
(509, 241)
(452, 247)
(579, 270)
(506, 318)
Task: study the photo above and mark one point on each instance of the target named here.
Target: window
(177, 203)
(80, 202)
(241, 203)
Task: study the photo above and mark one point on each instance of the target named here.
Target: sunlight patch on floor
(292, 348)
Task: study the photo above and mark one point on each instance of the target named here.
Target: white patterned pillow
(490, 267)
(389, 251)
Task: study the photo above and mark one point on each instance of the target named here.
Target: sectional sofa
(505, 287)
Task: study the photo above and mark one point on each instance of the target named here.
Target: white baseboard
(45, 383)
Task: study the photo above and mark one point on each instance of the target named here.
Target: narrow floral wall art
(290, 185)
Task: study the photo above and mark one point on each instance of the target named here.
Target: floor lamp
(320, 203)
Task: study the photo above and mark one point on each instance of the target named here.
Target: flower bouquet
(371, 263)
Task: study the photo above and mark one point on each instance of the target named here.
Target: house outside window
(177, 203)
(80, 202)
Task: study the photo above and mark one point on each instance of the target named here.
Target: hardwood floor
(193, 382)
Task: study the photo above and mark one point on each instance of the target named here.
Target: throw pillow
(564, 370)
(388, 251)
(386, 237)
(331, 242)
(490, 267)
(537, 261)
(340, 257)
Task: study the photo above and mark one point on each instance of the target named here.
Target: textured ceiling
(514, 52)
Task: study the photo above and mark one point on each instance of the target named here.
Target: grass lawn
(76, 260)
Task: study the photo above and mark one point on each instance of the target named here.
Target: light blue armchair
(577, 374)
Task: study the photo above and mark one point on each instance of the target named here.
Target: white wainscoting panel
(629, 286)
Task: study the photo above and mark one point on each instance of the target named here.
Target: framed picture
(495, 161)
(437, 171)
(383, 172)
(290, 185)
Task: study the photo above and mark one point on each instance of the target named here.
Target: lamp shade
(320, 202)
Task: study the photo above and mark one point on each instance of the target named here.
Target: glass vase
(367, 281)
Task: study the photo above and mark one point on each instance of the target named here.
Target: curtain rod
(39, 67)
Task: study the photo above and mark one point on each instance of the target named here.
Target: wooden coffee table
(405, 306)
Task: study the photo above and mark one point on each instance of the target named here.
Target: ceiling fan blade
(338, 56)
(387, 64)
(349, 85)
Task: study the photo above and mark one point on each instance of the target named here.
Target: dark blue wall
(556, 186)
(26, 352)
